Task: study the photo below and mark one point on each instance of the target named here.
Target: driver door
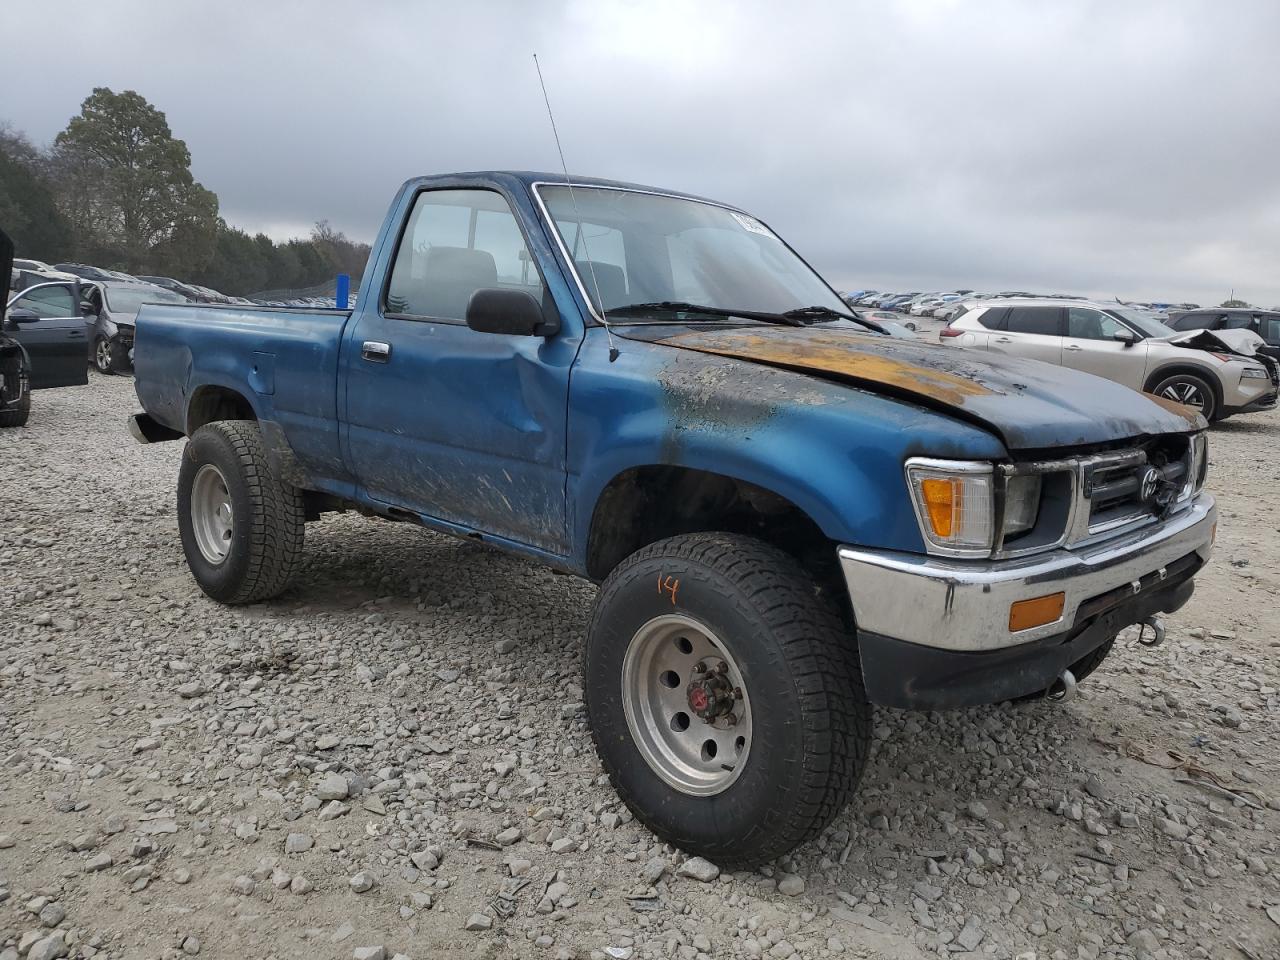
(1091, 345)
(55, 339)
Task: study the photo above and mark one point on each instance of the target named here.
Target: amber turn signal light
(1036, 612)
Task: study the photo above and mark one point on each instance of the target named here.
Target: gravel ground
(392, 758)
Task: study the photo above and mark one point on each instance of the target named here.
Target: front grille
(1136, 485)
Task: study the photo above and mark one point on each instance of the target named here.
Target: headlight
(1254, 373)
(953, 501)
(1021, 503)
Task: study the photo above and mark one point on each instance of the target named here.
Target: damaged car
(791, 514)
(42, 340)
(1206, 372)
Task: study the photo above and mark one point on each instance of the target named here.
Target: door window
(55, 300)
(994, 318)
(1237, 321)
(1086, 324)
(1041, 320)
(455, 243)
(1270, 330)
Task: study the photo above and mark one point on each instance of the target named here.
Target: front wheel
(15, 391)
(724, 697)
(241, 528)
(107, 358)
(1190, 390)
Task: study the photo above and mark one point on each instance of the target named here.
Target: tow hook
(1151, 632)
(1063, 689)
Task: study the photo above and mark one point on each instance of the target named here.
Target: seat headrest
(458, 264)
(611, 279)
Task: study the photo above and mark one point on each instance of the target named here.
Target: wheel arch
(212, 402)
(1175, 367)
(644, 504)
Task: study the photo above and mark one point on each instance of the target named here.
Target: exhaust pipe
(1063, 689)
(1156, 635)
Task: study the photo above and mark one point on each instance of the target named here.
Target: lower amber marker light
(1025, 614)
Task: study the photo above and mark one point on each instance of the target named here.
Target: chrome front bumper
(964, 605)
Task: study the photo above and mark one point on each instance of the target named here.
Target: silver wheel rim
(211, 515)
(1185, 392)
(104, 355)
(697, 756)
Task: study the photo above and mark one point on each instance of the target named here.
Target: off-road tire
(15, 416)
(810, 718)
(269, 517)
(1211, 405)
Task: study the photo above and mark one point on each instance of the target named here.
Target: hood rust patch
(1194, 420)
(843, 355)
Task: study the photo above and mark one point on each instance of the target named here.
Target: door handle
(375, 351)
(1004, 340)
(1073, 347)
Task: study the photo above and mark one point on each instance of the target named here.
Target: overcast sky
(1127, 148)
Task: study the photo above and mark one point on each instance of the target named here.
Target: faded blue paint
(515, 438)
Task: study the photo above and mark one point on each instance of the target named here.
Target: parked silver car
(1124, 345)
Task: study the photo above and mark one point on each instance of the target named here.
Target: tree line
(115, 190)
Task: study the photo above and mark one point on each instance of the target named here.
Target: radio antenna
(582, 235)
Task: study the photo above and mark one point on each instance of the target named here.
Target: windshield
(646, 248)
(129, 299)
(1146, 323)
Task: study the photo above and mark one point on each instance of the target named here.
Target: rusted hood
(1030, 405)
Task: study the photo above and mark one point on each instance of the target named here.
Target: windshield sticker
(750, 223)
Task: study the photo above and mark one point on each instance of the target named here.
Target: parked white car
(1218, 377)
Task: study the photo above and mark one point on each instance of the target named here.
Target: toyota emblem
(1150, 483)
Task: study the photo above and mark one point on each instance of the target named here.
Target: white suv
(1121, 344)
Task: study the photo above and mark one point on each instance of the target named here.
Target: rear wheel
(1191, 390)
(725, 697)
(241, 528)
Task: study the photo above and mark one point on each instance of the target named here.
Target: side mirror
(23, 315)
(1126, 337)
(87, 309)
(512, 312)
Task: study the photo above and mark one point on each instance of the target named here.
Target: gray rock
(509, 836)
(102, 861)
(52, 915)
(970, 934)
(1170, 828)
(696, 868)
(478, 921)
(363, 882)
(791, 885)
(333, 787)
(1144, 944)
(978, 810)
(192, 689)
(191, 946)
(298, 843)
(654, 870)
(50, 948)
(369, 953)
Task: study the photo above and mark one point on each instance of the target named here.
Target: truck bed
(287, 355)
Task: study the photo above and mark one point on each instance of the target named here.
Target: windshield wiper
(817, 313)
(683, 306)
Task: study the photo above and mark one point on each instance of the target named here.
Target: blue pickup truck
(791, 514)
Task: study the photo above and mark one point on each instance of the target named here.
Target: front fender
(835, 451)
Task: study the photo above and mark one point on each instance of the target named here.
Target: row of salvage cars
(52, 331)
(1220, 365)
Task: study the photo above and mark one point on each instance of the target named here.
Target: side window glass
(1237, 321)
(1196, 321)
(994, 319)
(455, 243)
(53, 301)
(1038, 320)
(1086, 324)
(1270, 330)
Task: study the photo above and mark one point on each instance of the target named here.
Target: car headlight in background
(954, 505)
